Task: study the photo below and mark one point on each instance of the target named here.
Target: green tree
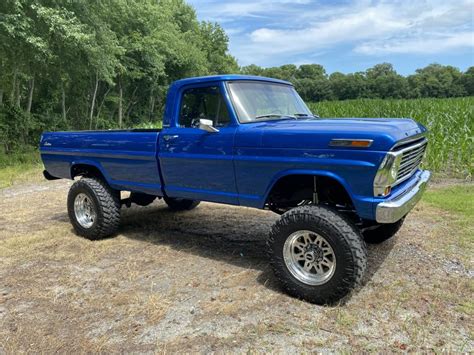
(350, 86)
(312, 82)
(252, 69)
(437, 80)
(384, 82)
(215, 44)
(467, 81)
(310, 71)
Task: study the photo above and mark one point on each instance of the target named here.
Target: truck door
(197, 164)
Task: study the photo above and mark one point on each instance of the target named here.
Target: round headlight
(394, 171)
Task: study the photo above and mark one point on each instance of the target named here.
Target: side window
(206, 102)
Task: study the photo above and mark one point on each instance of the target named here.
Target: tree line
(380, 81)
(81, 64)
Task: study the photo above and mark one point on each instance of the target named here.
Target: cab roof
(227, 77)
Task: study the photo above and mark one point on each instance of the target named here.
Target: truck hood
(317, 133)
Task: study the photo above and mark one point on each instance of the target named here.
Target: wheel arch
(87, 168)
(307, 173)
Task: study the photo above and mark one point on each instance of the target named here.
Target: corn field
(450, 123)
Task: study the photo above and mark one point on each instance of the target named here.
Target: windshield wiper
(276, 115)
(305, 115)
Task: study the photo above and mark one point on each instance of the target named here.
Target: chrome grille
(411, 159)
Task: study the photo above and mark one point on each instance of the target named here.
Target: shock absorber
(315, 190)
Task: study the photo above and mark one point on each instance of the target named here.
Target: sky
(346, 36)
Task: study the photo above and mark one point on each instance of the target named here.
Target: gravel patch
(199, 281)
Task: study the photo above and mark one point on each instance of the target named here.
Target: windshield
(254, 101)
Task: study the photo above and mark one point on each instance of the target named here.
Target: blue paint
(239, 164)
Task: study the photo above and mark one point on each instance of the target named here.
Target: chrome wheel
(309, 257)
(84, 210)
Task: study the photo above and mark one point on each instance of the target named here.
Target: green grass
(19, 167)
(450, 123)
(458, 200)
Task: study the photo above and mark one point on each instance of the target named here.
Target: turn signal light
(355, 143)
(360, 144)
(387, 191)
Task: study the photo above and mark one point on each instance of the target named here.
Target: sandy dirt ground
(199, 281)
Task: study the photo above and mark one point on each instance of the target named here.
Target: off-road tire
(106, 203)
(345, 240)
(180, 204)
(382, 232)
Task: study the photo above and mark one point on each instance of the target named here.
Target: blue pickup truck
(252, 141)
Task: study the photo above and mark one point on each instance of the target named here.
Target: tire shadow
(234, 235)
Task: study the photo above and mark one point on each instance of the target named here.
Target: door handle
(170, 137)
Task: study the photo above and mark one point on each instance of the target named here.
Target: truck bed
(114, 153)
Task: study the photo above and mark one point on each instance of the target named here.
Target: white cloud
(372, 23)
(264, 29)
(419, 46)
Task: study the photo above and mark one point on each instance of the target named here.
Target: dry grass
(199, 281)
(19, 175)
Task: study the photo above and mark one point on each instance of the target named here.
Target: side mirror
(206, 125)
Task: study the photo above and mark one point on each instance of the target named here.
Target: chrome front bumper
(391, 211)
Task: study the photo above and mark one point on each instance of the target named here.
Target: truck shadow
(233, 235)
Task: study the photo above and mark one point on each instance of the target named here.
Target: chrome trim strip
(409, 139)
(412, 147)
(112, 155)
(393, 210)
(410, 161)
